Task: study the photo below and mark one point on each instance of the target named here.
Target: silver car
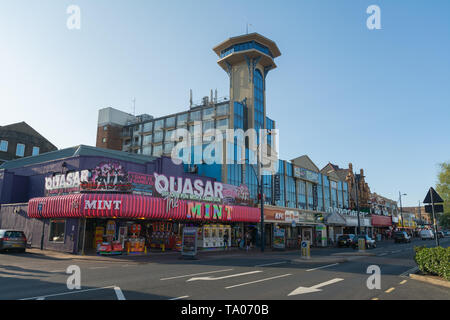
(12, 240)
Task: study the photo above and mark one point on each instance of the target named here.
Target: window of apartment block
(20, 150)
(208, 113)
(222, 124)
(222, 110)
(35, 151)
(148, 127)
(147, 150)
(57, 230)
(157, 151)
(4, 145)
(207, 125)
(169, 134)
(195, 116)
(168, 147)
(147, 139)
(170, 122)
(182, 119)
(159, 124)
(158, 137)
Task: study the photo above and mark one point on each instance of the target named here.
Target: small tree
(443, 188)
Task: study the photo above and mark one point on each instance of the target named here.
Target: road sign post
(306, 251)
(433, 197)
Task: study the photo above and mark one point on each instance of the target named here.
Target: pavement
(330, 274)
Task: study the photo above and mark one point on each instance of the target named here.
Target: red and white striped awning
(97, 205)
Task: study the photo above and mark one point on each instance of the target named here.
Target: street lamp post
(401, 208)
(357, 203)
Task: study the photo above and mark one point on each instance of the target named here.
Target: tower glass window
(259, 100)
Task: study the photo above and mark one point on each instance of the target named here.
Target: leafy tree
(443, 188)
(444, 220)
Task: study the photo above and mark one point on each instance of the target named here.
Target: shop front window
(57, 230)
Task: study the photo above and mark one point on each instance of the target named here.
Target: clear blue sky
(342, 93)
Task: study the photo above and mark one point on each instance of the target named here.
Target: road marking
(330, 265)
(247, 283)
(195, 274)
(65, 293)
(302, 290)
(396, 251)
(271, 264)
(57, 271)
(407, 272)
(119, 293)
(375, 298)
(390, 290)
(224, 277)
(382, 254)
(97, 268)
(183, 297)
(404, 281)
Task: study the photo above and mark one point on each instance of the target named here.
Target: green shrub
(435, 261)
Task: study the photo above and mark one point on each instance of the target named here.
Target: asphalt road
(222, 276)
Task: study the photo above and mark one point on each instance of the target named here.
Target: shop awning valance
(136, 207)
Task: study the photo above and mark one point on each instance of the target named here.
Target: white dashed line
(247, 283)
(271, 264)
(330, 265)
(195, 274)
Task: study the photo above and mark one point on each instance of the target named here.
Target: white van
(426, 234)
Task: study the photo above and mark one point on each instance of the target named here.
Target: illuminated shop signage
(69, 182)
(188, 189)
(206, 211)
(102, 204)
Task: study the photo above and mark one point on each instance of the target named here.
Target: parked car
(446, 233)
(370, 243)
(401, 236)
(12, 240)
(441, 234)
(426, 235)
(346, 240)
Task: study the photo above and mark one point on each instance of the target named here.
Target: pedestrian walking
(248, 240)
(225, 241)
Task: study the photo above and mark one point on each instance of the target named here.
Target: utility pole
(420, 214)
(434, 220)
(357, 203)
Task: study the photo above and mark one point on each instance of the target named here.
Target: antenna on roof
(190, 98)
(134, 106)
(248, 26)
